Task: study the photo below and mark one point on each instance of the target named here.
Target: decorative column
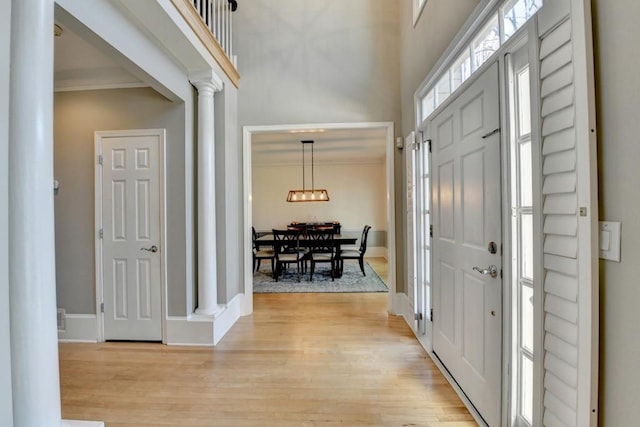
(207, 84)
(32, 287)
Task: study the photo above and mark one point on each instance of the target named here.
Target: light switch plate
(609, 241)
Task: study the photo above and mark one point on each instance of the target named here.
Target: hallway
(299, 360)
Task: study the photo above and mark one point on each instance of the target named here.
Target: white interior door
(467, 323)
(132, 288)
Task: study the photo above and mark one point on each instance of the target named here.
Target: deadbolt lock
(493, 248)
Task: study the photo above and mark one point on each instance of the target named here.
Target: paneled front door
(467, 263)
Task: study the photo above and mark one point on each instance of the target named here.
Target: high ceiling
(80, 64)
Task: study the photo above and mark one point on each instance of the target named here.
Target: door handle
(491, 271)
(153, 249)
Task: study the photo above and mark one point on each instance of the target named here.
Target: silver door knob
(491, 271)
(153, 249)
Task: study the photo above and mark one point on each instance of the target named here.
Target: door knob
(153, 249)
(491, 271)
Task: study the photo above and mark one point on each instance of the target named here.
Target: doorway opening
(295, 133)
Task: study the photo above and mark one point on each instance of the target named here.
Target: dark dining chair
(288, 251)
(356, 253)
(261, 252)
(322, 250)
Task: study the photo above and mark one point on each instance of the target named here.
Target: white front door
(132, 286)
(467, 241)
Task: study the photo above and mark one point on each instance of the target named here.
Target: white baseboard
(192, 330)
(75, 423)
(376, 252)
(403, 307)
(225, 320)
(205, 331)
(398, 304)
(79, 328)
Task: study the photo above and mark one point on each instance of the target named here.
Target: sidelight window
(522, 265)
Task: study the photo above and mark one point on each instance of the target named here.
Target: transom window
(509, 18)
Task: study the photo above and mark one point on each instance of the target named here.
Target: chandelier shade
(306, 195)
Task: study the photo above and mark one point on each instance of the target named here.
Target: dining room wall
(357, 195)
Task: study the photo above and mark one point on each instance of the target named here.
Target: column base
(210, 312)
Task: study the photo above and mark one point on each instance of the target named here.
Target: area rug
(352, 280)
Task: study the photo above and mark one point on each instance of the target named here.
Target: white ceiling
(81, 65)
(330, 146)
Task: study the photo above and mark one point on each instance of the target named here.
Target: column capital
(206, 79)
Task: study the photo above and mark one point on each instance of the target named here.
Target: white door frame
(412, 239)
(99, 271)
(247, 133)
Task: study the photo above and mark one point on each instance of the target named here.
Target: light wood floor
(299, 360)
(380, 266)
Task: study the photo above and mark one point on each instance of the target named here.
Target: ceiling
(366, 145)
(80, 64)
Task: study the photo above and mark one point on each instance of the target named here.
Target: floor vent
(61, 319)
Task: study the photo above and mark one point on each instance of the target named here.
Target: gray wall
(77, 116)
(318, 61)
(229, 209)
(6, 412)
(617, 38)
(422, 46)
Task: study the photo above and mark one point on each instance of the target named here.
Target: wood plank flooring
(299, 360)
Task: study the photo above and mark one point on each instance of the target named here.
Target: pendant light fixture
(304, 195)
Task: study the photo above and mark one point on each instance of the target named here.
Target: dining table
(338, 241)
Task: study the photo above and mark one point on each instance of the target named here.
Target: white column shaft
(32, 287)
(207, 257)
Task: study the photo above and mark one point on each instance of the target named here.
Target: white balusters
(217, 16)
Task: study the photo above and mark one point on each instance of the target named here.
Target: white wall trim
(587, 192)
(203, 331)
(248, 131)
(227, 318)
(377, 252)
(79, 328)
(103, 86)
(403, 306)
(191, 330)
(76, 423)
